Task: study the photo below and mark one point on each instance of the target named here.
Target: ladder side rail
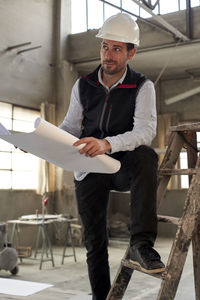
(196, 259)
(169, 161)
(182, 241)
(192, 159)
(121, 280)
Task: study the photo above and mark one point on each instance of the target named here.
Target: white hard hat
(120, 27)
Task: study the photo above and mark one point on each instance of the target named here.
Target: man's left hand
(93, 146)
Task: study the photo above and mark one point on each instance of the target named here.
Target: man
(113, 111)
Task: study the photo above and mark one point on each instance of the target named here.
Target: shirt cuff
(113, 145)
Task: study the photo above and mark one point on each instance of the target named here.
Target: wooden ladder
(188, 225)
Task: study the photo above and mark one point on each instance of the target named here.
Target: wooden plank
(164, 172)
(128, 263)
(192, 159)
(196, 259)
(121, 281)
(169, 219)
(186, 127)
(191, 153)
(182, 241)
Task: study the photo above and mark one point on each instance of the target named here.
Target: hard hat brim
(117, 38)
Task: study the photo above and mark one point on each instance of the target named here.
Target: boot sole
(153, 271)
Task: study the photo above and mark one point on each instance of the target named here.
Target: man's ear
(131, 53)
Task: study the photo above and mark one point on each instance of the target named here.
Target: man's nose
(108, 54)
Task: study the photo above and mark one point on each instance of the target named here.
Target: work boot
(147, 258)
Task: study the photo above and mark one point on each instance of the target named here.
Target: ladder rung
(129, 264)
(168, 219)
(177, 171)
(186, 127)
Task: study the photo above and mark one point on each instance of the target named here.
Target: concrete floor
(71, 282)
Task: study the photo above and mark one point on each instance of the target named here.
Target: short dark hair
(130, 46)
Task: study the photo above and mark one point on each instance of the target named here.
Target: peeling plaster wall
(26, 78)
(30, 78)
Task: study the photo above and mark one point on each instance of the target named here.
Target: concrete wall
(186, 109)
(66, 75)
(172, 205)
(32, 77)
(119, 211)
(26, 78)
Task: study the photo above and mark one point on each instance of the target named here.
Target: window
(78, 16)
(90, 14)
(93, 20)
(195, 3)
(184, 165)
(168, 6)
(111, 10)
(18, 170)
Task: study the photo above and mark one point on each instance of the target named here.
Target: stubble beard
(110, 71)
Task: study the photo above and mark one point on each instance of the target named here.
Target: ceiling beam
(159, 19)
(182, 96)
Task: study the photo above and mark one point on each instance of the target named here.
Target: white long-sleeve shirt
(145, 120)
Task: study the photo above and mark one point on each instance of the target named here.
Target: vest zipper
(102, 116)
(109, 114)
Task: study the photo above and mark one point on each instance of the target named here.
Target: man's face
(114, 56)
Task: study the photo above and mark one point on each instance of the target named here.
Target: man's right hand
(93, 146)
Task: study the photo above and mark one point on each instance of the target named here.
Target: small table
(42, 222)
(42, 228)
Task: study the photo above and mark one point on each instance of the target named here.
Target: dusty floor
(70, 280)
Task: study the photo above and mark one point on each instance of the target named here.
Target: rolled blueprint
(56, 146)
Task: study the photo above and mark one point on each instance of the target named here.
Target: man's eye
(117, 49)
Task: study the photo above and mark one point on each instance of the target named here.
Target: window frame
(12, 151)
(120, 8)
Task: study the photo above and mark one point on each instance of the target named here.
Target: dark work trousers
(138, 173)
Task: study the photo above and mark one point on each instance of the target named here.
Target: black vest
(108, 113)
